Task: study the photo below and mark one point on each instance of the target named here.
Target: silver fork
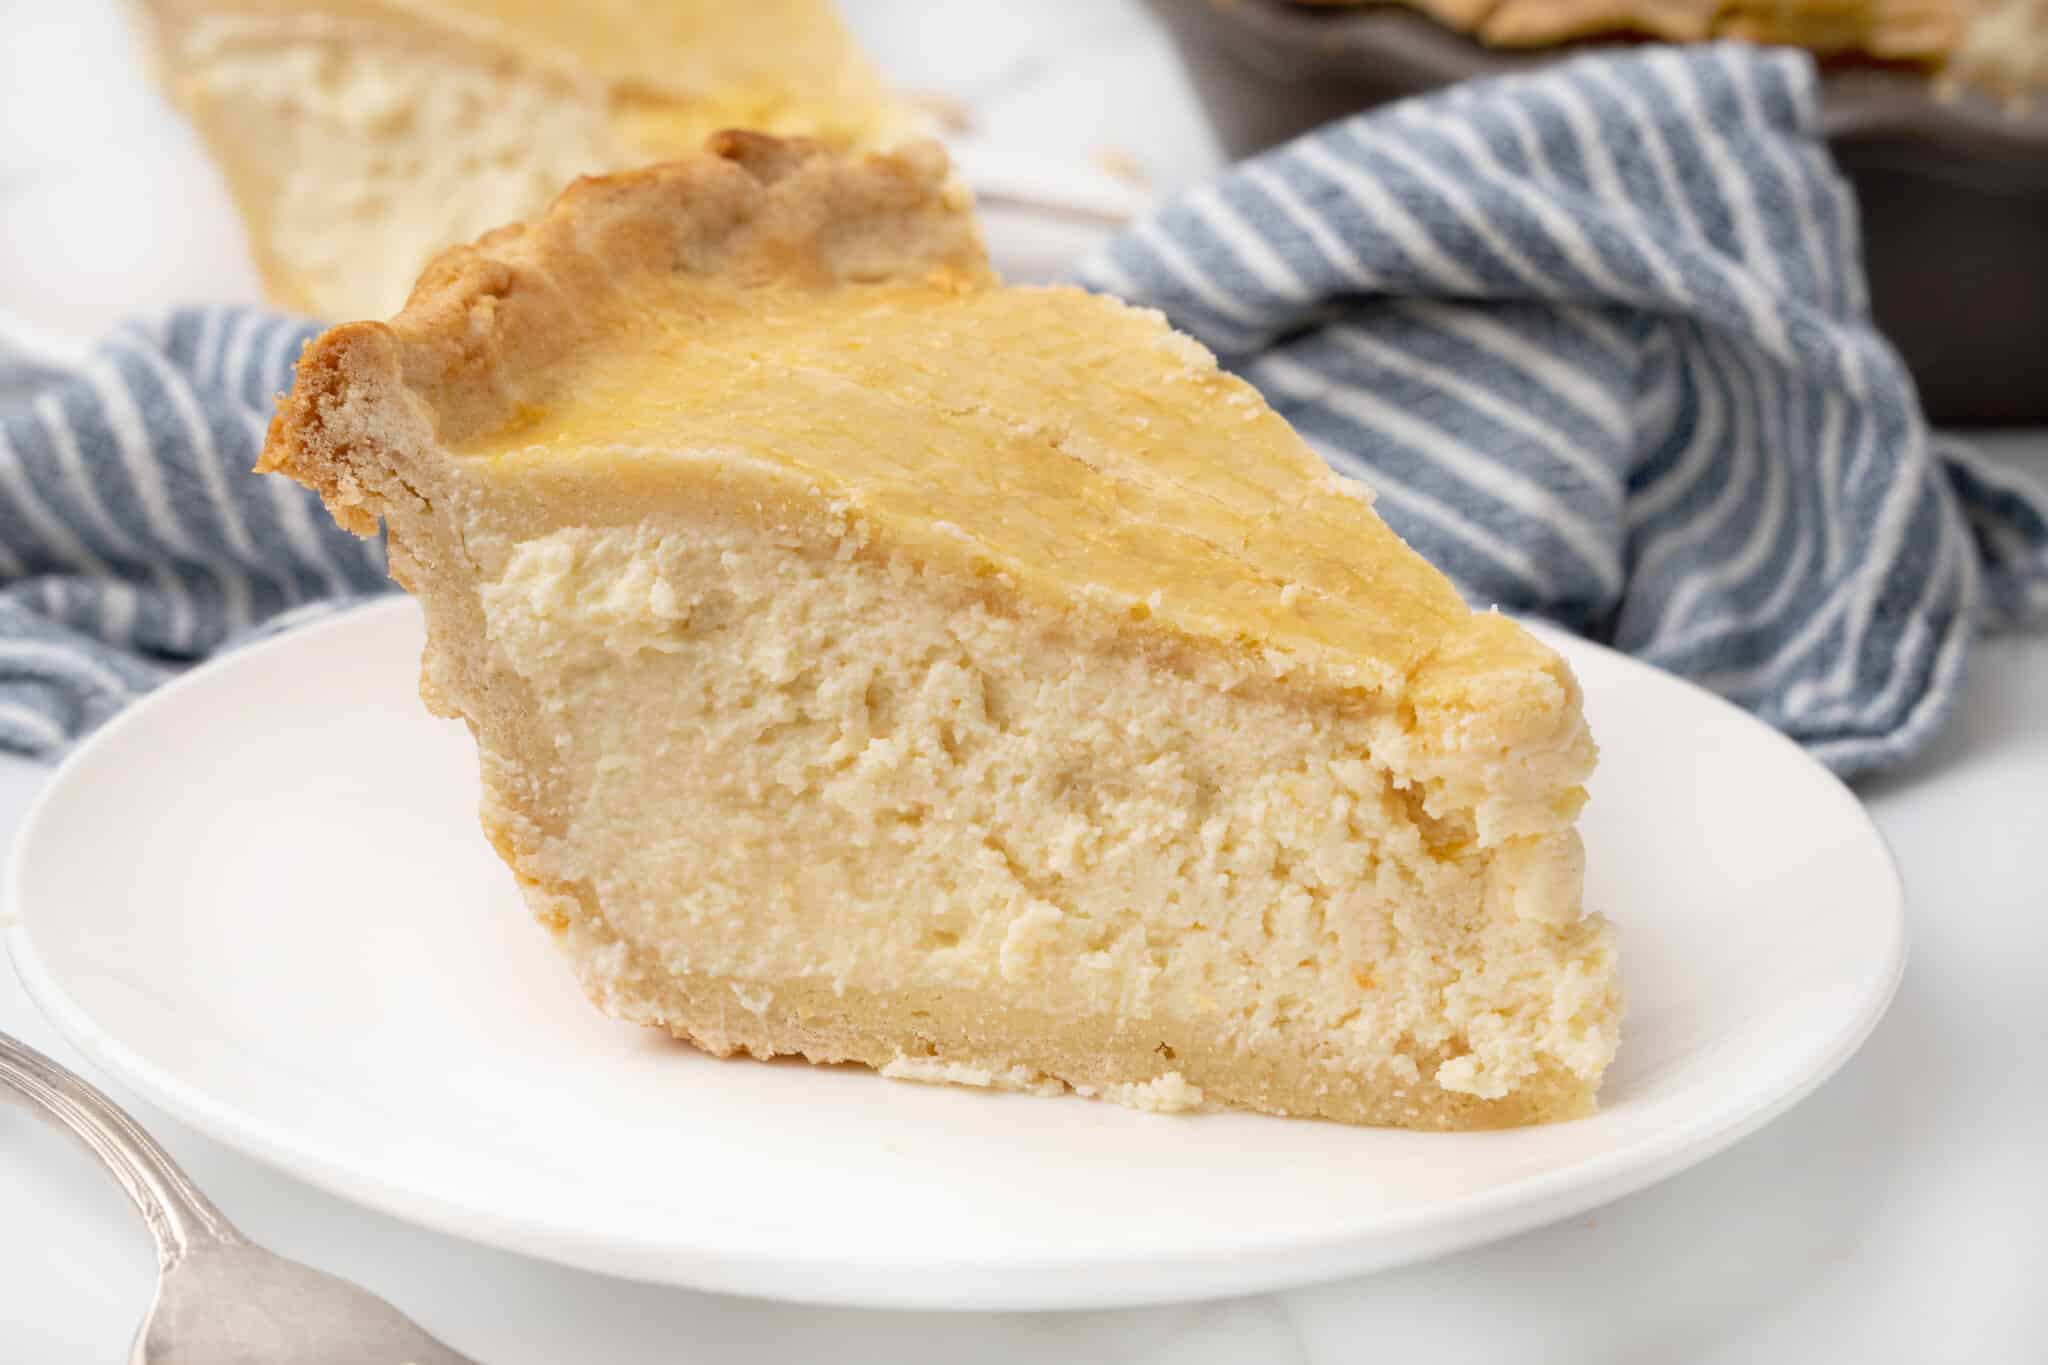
(220, 1298)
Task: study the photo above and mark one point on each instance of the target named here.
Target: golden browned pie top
(825, 336)
(675, 64)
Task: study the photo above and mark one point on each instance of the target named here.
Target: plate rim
(1045, 1283)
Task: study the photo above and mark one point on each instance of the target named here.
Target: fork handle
(179, 1216)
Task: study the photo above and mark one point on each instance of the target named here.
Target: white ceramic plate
(260, 899)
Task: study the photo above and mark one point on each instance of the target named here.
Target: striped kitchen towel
(133, 538)
(1597, 337)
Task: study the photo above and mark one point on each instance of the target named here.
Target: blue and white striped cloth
(133, 539)
(1597, 336)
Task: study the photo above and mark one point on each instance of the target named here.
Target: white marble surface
(1894, 1216)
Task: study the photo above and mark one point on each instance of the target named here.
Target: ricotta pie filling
(873, 662)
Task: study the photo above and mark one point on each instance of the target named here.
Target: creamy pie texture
(873, 662)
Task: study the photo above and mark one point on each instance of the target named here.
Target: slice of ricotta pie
(872, 662)
(360, 137)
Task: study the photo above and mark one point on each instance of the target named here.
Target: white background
(1898, 1215)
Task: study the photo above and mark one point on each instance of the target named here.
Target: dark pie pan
(1953, 191)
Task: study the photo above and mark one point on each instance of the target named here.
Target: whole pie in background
(1891, 30)
(1997, 46)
